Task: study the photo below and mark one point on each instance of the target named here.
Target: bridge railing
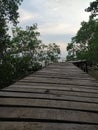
(82, 64)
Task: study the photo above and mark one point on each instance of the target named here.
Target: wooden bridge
(58, 97)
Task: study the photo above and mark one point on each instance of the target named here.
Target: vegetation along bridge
(58, 97)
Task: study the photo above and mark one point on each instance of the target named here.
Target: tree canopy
(93, 8)
(9, 10)
(85, 43)
(8, 13)
(24, 52)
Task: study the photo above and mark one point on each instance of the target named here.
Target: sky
(58, 20)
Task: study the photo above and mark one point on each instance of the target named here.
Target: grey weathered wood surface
(58, 97)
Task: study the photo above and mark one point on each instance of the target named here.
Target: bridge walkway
(58, 97)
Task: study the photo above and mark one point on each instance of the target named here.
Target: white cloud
(57, 28)
(55, 16)
(57, 20)
(26, 15)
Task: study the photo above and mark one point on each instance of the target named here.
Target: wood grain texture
(58, 97)
(45, 126)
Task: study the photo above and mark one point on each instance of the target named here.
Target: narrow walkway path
(58, 97)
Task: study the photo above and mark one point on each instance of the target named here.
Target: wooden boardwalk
(58, 97)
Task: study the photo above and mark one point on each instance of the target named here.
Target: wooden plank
(24, 113)
(51, 91)
(64, 74)
(49, 103)
(74, 70)
(61, 77)
(60, 81)
(58, 97)
(55, 87)
(50, 96)
(45, 126)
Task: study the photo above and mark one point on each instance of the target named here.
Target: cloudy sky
(58, 20)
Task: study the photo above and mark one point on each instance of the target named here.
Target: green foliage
(52, 52)
(8, 13)
(24, 52)
(85, 43)
(26, 41)
(13, 68)
(6, 73)
(8, 10)
(93, 8)
(70, 49)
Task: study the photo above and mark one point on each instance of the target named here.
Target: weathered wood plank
(50, 96)
(64, 72)
(49, 103)
(58, 97)
(55, 87)
(65, 75)
(60, 81)
(45, 126)
(50, 91)
(61, 77)
(48, 114)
